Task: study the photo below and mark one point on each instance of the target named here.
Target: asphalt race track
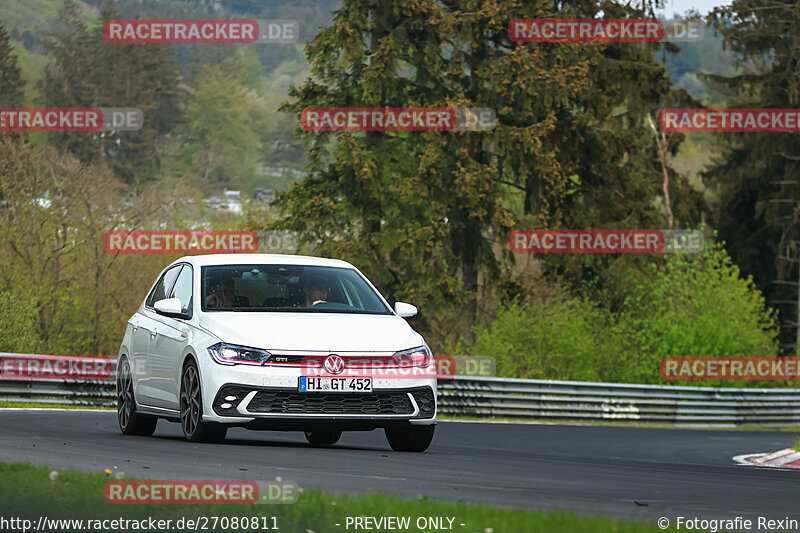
(626, 472)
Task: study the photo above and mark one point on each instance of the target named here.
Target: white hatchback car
(275, 342)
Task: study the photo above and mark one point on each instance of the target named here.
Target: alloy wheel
(190, 400)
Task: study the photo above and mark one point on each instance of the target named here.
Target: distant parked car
(264, 195)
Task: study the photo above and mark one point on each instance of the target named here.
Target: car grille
(283, 401)
(377, 403)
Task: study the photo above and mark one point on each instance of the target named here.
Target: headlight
(420, 356)
(230, 354)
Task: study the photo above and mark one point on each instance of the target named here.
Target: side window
(183, 289)
(163, 286)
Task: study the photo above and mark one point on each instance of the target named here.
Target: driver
(315, 290)
(222, 294)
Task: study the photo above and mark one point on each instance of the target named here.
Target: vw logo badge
(333, 364)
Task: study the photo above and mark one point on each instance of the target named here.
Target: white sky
(682, 6)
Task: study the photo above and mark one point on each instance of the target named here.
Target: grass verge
(30, 492)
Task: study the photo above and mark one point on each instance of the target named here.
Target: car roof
(266, 259)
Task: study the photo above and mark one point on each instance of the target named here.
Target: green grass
(28, 492)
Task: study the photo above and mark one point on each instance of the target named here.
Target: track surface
(588, 469)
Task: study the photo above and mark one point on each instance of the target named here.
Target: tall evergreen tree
(758, 174)
(87, 71)
(11, 83)
(422, 211)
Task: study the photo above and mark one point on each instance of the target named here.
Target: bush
(694, 305)
(549, 338)
(18, 331)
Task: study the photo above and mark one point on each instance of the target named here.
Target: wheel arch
(187, 357)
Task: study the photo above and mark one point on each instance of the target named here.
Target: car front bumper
(268, 398)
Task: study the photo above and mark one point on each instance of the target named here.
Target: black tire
(131, 422)
(323, 438)
(410, 438)
(191, 405)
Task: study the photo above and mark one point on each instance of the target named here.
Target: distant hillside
(706, 56)
(30, 21)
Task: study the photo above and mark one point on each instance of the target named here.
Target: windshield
(293, 288)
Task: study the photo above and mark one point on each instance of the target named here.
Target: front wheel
(194, 429)
(131, 422)
(410, 438)
(323, 438)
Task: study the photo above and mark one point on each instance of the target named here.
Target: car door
(144, 335)
(140, 340)
(167, 344)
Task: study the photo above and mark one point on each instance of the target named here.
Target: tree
(425, 212)
(52, 258)
(222, 127)
(87, 71)
(758, 173)
(11, 83)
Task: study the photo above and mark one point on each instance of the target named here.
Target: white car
(276, 342)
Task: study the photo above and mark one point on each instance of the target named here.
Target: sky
(682, 6)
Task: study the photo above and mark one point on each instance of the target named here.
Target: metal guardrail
(602, 402)
(532, 399)
(86, 392)
(94, 393)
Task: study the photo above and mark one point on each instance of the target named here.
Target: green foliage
(758, 230)
(549, 338)
(30, 492)
(52, 258)
(11, 83)
(18, 314)
(221, 123)
(421, 211)
(693, 306)
(87, 71)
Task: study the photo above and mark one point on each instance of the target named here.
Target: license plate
(335, 384)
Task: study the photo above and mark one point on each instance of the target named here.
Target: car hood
(325, 332)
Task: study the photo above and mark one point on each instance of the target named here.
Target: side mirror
(405, 310)
(170, 307)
